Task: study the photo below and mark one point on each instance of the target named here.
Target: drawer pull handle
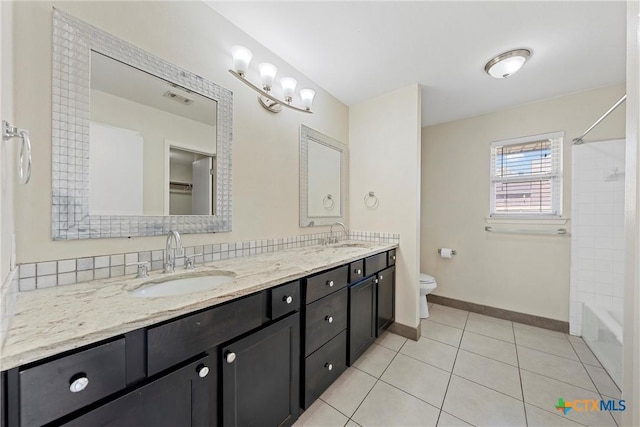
(79, 384)
(329, 319)
(288, 299)
(202, 370)
(381, 277)
(230, 357)
(330, 283)
(329, 366)
(357, 271)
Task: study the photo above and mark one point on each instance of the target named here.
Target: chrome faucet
(335, 239)
(169, 257)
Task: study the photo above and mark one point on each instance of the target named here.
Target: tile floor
(467, 369)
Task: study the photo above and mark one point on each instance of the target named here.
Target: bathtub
(602, 331)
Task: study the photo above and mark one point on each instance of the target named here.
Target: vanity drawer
(391, 257)
(284, 299)
(375, 263)
(178, 340)
(324, 319)
(325, 283)
(324, 366)
(356, 271)
(45, 390)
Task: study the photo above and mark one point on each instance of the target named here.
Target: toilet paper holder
(453, 251)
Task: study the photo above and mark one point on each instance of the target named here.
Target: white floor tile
(439, 332)
(485, 325)
(489, 347)
(321, 414)
(349, 390)
(496, 375)
(555, 367)
(448, 316)
(603, 382)
(584, 353)
(549, 344)
(448, 420)
(537, 417)
(388, 406)
(432, 352)
(391, 341)
(544, 392)
(542, 331)
(419, 379)
(482, 406)
(375, 360)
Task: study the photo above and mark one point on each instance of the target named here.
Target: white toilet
(427, 285)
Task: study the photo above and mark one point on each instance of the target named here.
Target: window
(526, 176)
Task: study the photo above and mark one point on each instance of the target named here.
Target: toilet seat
(426, 279)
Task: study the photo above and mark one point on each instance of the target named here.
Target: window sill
(526, 220)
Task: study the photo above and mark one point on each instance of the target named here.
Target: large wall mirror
(140, 146)
(323, 177)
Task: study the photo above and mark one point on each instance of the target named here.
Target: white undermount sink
(348, 245)
(182, 286)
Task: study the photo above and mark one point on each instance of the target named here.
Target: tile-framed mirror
(114, 169)
(323, 178)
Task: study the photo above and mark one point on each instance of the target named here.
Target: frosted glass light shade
(267, 74)
(288, 87)
(508, 63)
(241, 59)
(307, 96)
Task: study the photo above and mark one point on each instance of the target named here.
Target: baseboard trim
(413, 333)
(527, 319)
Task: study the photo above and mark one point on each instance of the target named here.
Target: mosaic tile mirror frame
(73, 41)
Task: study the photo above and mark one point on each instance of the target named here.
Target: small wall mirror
(140, 146)
(323, 170)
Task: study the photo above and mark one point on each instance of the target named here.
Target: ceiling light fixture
(241, 59)
(508, 63)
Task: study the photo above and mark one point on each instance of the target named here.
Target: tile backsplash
(68, 271)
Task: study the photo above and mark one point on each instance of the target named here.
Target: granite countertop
(50, 321)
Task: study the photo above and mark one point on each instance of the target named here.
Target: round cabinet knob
(79, 384)
(288, 299)
(230, 357)
(394, 257)
(381, 277)
(357, 271)
(202, 370)
(330, 283)
(376, 280)
(329, 319)
(329, 366)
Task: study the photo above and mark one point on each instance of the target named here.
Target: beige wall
(384, 148)
(193, 36)
(524, 273)
(631, 348)
(7, 150)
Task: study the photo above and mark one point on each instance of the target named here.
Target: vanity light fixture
(241, 59)
(508, 63)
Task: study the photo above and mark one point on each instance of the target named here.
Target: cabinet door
(261, 378)
(186, 397)
(362, 317)
(386, 298)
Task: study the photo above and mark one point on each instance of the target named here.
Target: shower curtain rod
(579, 140)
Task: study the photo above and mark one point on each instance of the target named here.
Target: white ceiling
(358, 50)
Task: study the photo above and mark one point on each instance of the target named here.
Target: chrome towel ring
(8, 132)
(371, 200)
(328, 203)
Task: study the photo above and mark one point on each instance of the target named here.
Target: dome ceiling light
(508, 63)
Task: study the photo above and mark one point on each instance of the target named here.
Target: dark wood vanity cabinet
(261, 376)
(386, 298)
(253, 361)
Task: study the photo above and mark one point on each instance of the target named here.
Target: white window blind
(526, 176)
